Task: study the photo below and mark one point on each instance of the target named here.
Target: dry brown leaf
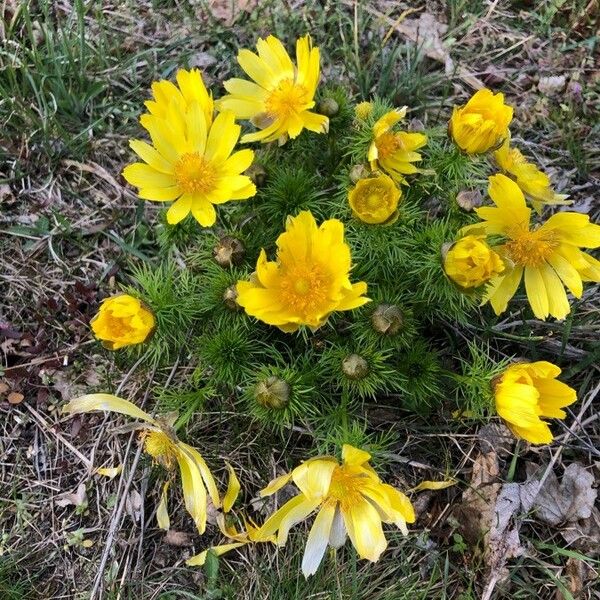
(469, 199)
(227, 11)
(571, 500)
(177, 538)
(15, 398)
(133, 505)
(585, 534)
(76, 498)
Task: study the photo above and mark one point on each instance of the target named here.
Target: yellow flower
(363, 110)
(350, 499)
(162, 444)
(535, 184)
(395, 151)
(525, 392)
(547, 256)
(375, 199)
(250, 533)
(279, 102)
(122, 321)
(482, 123)
(470, 262)
(190, 88)
(309, 281)
(190, 159)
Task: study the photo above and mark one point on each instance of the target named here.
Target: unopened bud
(230, 298)
(355, 366)
(363, 110)
(358, 172)
(229, 251)
(387, 319)
(328, 107)
(272, 392)
(257, 174)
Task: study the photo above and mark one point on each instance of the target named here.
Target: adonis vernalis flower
(535, 184)
(161, 443)
(349, 498)
(375, 200)
(279, 99)
(546, 256)
(121, 321)
(309, 281)
(470, 262)
(190, 159)
(395, 151)
(482, 123)
(525, 393)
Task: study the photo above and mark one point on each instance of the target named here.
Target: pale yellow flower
(121, 321)
(525, 393)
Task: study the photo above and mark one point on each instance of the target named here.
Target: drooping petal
(162, 511)
(107, 402)
(233, 490)
(318, 539)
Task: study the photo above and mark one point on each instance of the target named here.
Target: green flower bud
(272, 392)
(355, 366)
(387, 319)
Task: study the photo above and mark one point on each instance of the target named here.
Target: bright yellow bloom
(190, 159)
(470, 262)
(482, 123)
(525, 392)
(534, 183)
(250, 533)
(350, 499)
(190, 88)
(547, 256)
(161, 443)
(122, 321)
(279, 102)
(363, 110)
(395, 151)
(309, 281)
(375, 199)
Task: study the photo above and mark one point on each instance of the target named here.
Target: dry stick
(489, 590)
(116, 518)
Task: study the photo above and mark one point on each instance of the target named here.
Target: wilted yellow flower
(482, 123)
(375, 199)
(470, 262)
(250, 533)
(190, 88)
(525, 393)
(279, 102)
(309, 281)
(363, 110)
(122, 321)
(161, 443)
(350, 499)
(548, 256)
(395, 151)
(535, 184)
(190, 159)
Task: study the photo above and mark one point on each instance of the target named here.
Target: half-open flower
(395, 151)
(374, 200)
(482, 123)
(309, 280)
(547, 256)
(526, 393)
(279, 99)
(161, 443)
(470, 262)
(121, 321)
(190, 159)
(535, 184)
(350, 500)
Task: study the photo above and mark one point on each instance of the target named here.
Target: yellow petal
(318, 539)
(162, 512)
(194, 494)
(149, 154)
(233, 489)
(107, 402)
(275, 484)
(205, 472)
(354, 456)
(179, 210)
(536, 292)
(363, 524)
(313, 478)
(433, 485)
(110, 472)
(200, 559)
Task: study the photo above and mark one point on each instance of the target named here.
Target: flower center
(304, 288)
(286, 99)
(531, 248)
(344, 487)
(160, 447)
(118, 326)
(387, 143)
(195, 174)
